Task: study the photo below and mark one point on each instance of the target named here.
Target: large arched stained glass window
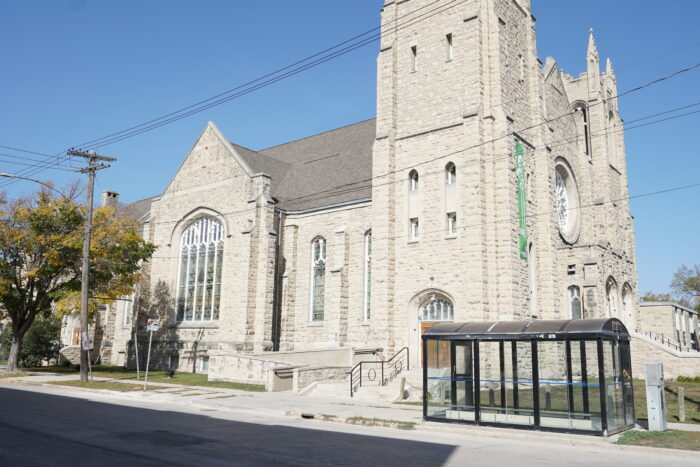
(318, 278)
(199, 277)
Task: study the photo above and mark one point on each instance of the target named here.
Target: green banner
(522, 205)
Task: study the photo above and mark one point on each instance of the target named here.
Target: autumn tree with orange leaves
(40, 259)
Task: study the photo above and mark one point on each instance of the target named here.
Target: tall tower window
(612, 296)
(452, 223)
(532, 279)
(414, 229)
(413, 180)
(583, 127)
(414, 58)
(318, 278)
(368, 275)
(199, 276)
(448, 44)
(450, 173)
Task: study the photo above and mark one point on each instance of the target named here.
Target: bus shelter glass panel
(491, 406)
(463, 382)
(518, 382)
(626, 365)
(614, 392)
(505, 382)
(593, 384)
(439, 379)
(585, 390)
(555, 384)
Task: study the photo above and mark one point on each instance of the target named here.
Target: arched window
(450, 173)
(368, 275)
(628, 305)
(611, 294)
(583, 127)
(566, 201)
(436, 309)
(199, 277)
(532, 279)
(413, 180)
(318, 278)
(575, 306)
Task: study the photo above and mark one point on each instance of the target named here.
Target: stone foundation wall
(675, 363)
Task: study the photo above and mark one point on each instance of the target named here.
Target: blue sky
(76, 70)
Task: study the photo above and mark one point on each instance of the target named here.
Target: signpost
(88, 345)
(151, 326)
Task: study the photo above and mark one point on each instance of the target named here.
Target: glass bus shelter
(558, 375)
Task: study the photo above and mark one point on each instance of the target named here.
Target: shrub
(688, 379)
(39, 344)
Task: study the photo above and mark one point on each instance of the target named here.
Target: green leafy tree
(40, 260)
(650, 296)
(686, 284)
(41, 343)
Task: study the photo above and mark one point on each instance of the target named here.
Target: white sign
(152, 325)
(88, 344)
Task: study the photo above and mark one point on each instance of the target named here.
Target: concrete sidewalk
(291, 405)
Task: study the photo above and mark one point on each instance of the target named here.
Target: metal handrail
(356, 372)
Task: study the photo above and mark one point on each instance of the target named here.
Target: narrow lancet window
(318, 278)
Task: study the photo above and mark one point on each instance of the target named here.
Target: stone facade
(463, 87)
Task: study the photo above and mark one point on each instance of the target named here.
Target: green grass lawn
(692, 401)
(111, 385)
(12, 375)
(689, 440)
(189, 379)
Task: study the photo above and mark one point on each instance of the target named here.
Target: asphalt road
(41, 428)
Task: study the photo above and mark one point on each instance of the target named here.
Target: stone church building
(490, 186)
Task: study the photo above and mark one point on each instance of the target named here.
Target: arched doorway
(429, 307)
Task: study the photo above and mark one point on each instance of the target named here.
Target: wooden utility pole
(94, 164)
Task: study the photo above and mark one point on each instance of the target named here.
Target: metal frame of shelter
(555, 375)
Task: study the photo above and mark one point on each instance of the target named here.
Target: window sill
(365, 323)
(196, 325)
(414, 240)
(316, 324)
(450, 236)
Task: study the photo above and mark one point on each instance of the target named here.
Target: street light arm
(7, 175)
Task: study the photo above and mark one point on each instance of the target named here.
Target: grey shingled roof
(320, 170)
(324, 169)
(139, 208)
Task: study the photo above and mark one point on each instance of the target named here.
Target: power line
(349, 187)
(508, 220)
(298, 70)
(118, 136)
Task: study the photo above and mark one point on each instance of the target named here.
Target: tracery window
(199, 276)
(575, 308)
(567, 201)
(368, 275)
(318, 278)
(436, 309)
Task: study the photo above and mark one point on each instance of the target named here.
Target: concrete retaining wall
(644, 350)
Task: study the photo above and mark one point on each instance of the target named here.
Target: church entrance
(435, 308)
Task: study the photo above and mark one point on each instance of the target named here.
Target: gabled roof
(329, 168)
(321, 170)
